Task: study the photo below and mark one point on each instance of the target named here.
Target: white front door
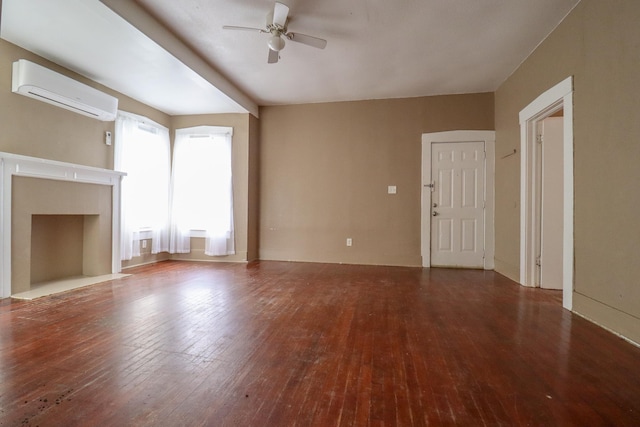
(457, 214)
(551, 200)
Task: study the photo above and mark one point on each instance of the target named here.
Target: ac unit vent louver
(40, 83)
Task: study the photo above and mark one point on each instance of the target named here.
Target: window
(142, 151)
(201, 190)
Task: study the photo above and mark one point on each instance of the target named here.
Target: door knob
(434, 213)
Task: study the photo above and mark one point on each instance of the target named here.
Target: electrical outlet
(349, 241)
(391, 189)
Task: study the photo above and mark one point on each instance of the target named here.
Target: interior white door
(457, 221)
(551, 212)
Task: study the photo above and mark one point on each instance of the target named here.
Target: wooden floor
(280, 344)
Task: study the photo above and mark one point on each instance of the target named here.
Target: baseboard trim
(609, 318)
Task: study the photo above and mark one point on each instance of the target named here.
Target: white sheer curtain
(142, 150)
(201, 190)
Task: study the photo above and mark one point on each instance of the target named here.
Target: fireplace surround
(33, 186)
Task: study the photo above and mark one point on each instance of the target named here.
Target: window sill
(147, 233)
(198, 233)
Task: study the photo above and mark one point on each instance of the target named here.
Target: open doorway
(550, 193)
(532, 240)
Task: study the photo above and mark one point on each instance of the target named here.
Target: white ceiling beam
(139, 18)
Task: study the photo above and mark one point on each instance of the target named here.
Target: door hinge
(538, 262)
(539, 138)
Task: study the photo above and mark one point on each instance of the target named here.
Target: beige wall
(325, 169)
(599, 44)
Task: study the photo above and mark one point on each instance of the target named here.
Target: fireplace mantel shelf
(53, 169)
(17, 165)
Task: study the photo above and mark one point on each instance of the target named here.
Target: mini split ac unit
(38, 82)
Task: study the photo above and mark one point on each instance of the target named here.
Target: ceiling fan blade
(232, 27)
(280, 13)
(273, 56)
(308, 40)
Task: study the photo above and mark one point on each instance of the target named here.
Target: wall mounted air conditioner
(38, 82)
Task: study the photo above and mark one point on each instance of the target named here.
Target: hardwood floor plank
(295, 344)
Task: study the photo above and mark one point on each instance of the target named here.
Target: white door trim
(489, 138)
(558, 97)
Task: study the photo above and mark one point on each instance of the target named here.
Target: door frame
(558, 97)
(489, 138)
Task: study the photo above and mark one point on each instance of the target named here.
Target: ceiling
(175, 56)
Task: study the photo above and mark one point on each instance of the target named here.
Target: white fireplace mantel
(15, 165)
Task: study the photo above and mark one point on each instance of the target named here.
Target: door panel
(469, 188)
(457, 229)
(468, 235)
(445, 177)
(445, 232)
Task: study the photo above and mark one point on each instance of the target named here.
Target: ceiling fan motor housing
(276, 42)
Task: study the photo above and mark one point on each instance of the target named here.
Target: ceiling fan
(277, 26)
